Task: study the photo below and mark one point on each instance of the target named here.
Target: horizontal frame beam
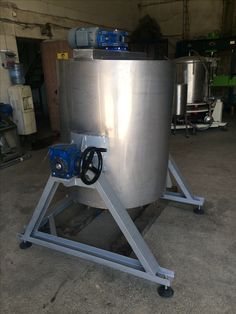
(180, 198)
(93, 254)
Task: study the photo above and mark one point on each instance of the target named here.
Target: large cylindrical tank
(129, 101)
(191, 70)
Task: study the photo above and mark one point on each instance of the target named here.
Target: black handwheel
(165, 292)
(87, 163)
(25, 245)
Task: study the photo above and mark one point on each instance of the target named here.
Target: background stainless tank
(129, 101)
(191, 71)
(180, 99)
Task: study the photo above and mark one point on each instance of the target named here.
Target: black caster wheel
(165, 292)
(25, 245)
(198, 210)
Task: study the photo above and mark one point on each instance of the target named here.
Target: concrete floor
(201, 249)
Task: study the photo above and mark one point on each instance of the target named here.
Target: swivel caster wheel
(25, 245)
(198, 210)
(165, 292)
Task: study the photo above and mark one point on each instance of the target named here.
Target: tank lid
(93, 54)
(190, 59)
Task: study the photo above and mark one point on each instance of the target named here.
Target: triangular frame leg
(145, 266)
(185, 196)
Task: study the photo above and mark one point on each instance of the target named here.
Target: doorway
(29, 52)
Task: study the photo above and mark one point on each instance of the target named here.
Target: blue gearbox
(96, 37)
(64, 160)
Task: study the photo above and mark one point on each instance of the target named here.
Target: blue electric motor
(64, 160)
(95, 37)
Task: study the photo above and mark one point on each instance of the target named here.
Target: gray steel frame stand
(145, 266)
(185, 196)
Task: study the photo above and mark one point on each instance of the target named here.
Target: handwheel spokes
(94, 170)
(89, 163)
(90, 157)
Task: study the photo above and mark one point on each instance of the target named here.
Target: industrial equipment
(10, 149)
(180, 103)
(202, 110)
(9, 141)
(115, 115)
(64, 159)
(212, 47)
(95, 37)
(7, 61)
(210, 51)
(23, 109)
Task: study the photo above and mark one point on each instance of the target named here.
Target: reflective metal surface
(107, 54)
(191, 71)
(180, 99)
(130, 103)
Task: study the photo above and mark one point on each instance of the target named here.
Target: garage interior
(129, 106)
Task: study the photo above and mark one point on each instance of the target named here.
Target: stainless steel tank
(128, 101)
(180, 99)
(192, 71)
